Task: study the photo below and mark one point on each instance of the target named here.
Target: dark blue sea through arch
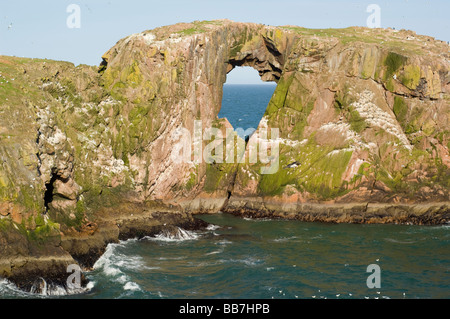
(244, 104)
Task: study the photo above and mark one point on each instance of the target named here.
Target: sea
(245, 258)
(244, 105)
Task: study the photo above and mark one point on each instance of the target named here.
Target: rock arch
(344, 96)
(179, 71)
(263, 57)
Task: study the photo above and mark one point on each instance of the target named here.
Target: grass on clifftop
(383, 37)
(198, 27)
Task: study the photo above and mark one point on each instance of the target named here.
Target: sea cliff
(90, 156)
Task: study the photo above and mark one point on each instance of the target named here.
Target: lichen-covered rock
(362, 114)
(355, 107)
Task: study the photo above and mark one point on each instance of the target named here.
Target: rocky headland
(89, 154)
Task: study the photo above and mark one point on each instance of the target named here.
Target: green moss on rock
(357, 123)
(411, 76)
(393, 63)
(320, 171)
(400, 110)
(279, 96)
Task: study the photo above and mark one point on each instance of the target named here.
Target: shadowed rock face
(91, 155)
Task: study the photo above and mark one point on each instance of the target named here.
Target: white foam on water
(224, 242)
(113, 264)
(122, 279)
(179, 236)
(283, 239)
(396, 241)
(264, 219)
(43, 289)
(212, 227)
(132, 286)
(247, 261)
(90, 285)
(214, 252)
(204, 263)
(132, 263)
(7, 288)
(171, 258)
(111, 271)
(107, 261)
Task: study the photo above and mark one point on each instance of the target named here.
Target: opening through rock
(245, 99)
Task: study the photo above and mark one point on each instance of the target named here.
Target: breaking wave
(212, 227)
(9, 289)
(114, 264)
(40, 289)
(284, 239)
(250, 261)
(131, 286)
(258, 219)
(175, 236)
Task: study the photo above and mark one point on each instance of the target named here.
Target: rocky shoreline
(358, 213)
(49, 269)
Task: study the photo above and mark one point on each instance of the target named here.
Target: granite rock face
(91, 155)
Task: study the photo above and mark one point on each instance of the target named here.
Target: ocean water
(244, 105)
(243, 258)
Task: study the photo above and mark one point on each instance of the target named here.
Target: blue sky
(38, 28)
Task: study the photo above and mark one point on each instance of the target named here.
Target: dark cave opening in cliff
(245, 100)
(49, 188)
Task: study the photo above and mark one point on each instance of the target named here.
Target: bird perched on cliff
(292, 165)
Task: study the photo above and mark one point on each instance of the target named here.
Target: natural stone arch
(178, 73)
(261, 48)
(258, 52)
(265, 58)
(116, 144)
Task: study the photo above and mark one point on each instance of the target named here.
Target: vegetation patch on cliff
(319, 171)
